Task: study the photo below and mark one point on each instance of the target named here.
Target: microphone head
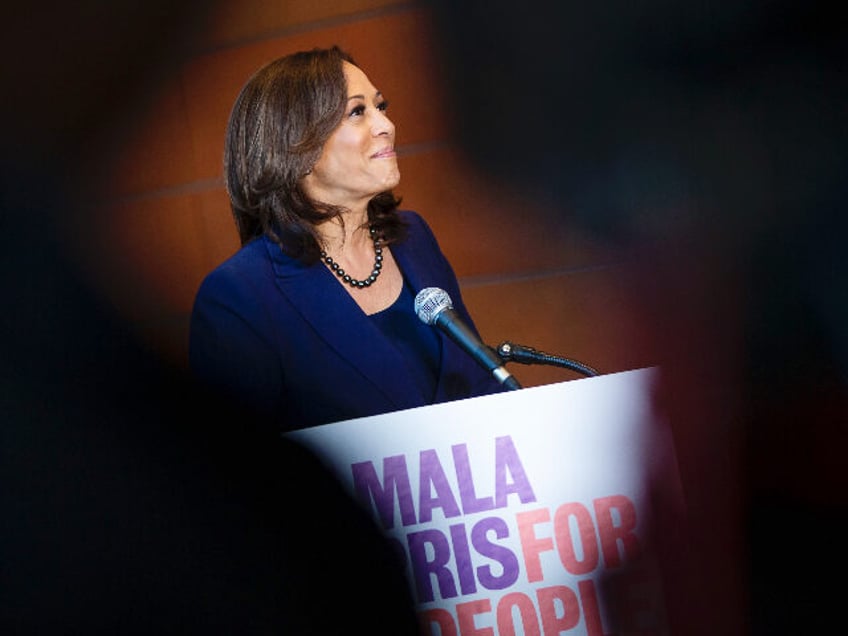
(430, 302)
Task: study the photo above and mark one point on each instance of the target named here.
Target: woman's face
(358, 161)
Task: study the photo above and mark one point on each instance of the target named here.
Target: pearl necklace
(375, 272)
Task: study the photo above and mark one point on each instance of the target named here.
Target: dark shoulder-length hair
(277, 128)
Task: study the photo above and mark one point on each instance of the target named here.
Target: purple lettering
(498, 553)
(423, 568)
(433, 477)
(367, 487)
(506, 460)
(462, 554)
(470, 502)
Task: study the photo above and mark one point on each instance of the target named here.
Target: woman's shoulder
(416, 226)
(247, 258)
(257, 260)
(411, 217)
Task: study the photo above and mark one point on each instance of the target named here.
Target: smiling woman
(312, 320)
(359, 158)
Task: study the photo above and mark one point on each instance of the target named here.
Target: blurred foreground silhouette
(132, 501)
(706, 143)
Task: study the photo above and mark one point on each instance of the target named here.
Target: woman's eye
(359, 110)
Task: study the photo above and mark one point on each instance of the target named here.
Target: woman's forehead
(357, 81)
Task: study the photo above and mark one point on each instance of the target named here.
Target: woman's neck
(345, 233)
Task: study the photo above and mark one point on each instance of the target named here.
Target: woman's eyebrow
(377, 94)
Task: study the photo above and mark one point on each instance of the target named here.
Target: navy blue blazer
(289, 341)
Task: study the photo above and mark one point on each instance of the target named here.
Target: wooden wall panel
(391, 49)
(156, 150)
(236, 22)
(157, 250)
(216, 231)
(154, 250)
(587, 316)
(487, 228)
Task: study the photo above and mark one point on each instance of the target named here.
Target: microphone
(434, 307)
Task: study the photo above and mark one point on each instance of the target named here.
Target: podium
(525, 512)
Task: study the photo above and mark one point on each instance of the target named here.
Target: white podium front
(519, 513)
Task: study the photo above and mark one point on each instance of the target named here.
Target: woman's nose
(383, 125)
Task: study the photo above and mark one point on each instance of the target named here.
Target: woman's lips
(386, 152)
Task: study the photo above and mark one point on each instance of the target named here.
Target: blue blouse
(417, 342)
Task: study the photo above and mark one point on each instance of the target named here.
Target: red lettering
(559, 610)
(565, 539)
(591, 612)
(526, 611)
(531, 546)
(611, 532)
(465, 613)
(440, 617)
(552, 622)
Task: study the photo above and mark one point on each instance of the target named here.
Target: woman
(312, 320)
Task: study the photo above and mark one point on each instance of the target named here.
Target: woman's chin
(392, 181)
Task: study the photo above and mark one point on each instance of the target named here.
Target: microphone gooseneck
(434, 307)
(509, 352)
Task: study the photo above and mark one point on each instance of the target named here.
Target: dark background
(132, 501)
(708, 142)
(703, 146)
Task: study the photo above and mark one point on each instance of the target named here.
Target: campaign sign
(518, 513)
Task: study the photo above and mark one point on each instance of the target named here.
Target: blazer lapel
(423, 272)
(340, 322)
(415, 271)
